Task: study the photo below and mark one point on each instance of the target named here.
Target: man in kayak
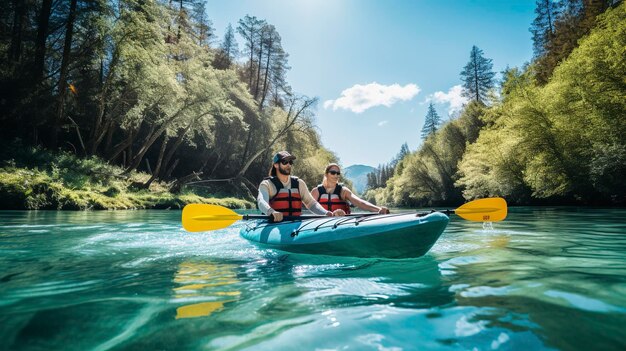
(281, 194)
(334, 197)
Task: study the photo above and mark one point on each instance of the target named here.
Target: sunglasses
(286, 162)
(334, 172)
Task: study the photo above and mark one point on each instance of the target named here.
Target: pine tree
(432, 122)
(250, 29)
(371, 181)
(404, 150)
(228, 51)
(477, 76)
(203, 27)
(542, 28)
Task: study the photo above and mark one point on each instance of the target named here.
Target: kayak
(386, 236)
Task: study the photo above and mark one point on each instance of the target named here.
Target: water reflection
(213, 284)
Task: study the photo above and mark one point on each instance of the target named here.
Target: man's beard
(284, 171)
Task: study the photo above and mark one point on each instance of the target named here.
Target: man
(281, 194)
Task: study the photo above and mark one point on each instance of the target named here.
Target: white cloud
(453, 98)
(359, 98)
(382, 123)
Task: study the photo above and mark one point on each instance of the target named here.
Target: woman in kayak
(334, 197)
(281, 194)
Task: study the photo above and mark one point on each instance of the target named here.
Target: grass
(32, 179)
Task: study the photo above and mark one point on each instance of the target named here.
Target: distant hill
(358, 175)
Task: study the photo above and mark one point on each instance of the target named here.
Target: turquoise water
(546, 278)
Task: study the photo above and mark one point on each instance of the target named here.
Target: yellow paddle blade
(491, 209)
(203, 217)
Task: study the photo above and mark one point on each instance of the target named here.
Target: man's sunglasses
(287, 162)
(334, 172)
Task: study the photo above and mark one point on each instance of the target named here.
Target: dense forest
(146, 86)
(113, 89)
(551, 132)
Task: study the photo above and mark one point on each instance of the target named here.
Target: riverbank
(36, 179)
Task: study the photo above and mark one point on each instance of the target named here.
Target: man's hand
(339, 212)
(278, 216)
(383, 210)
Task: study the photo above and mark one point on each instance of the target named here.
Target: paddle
(203, 217)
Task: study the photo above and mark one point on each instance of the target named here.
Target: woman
(334, 197)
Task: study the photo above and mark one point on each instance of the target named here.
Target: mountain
(358, 175)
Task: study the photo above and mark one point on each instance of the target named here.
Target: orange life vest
(286, 200)
(332, 201)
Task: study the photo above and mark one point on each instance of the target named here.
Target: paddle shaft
(297, 218)
(304, 217)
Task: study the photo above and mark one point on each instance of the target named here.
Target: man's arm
(263, 199)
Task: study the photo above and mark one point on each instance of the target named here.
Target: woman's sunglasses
(287, 162)
(334, 172)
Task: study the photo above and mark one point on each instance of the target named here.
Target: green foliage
(558, 28)
(148, 92)
(39, 179)
(565, 139)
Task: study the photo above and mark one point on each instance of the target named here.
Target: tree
(42, 35)
(477, 76)
(203, 27)
(62, 86)
(432, 122)
(250, 29)
(228, 50)
(542, 27)
(404, 150)
(574, 19)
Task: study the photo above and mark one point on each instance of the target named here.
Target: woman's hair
(330, 165)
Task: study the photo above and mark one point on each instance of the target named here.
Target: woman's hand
(277, 216)
(383, 210)
(329, 214)
(339, 212)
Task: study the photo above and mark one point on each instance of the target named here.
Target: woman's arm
(309, 201)
(362, 204)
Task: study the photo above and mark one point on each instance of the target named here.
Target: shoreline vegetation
(36, 179)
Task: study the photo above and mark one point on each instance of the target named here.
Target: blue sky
(375, 64)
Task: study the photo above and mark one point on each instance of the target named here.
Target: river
(543, 279)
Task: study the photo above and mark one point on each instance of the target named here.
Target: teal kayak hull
(385, 236)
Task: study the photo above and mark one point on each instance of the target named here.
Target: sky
(375, 65)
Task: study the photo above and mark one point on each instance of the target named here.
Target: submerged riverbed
(545, 278)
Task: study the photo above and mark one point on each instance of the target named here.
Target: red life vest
(286, 200)
(332, 201)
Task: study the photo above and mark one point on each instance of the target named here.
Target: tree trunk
(157, 167)
(123, 145)
(179, 140)
(179, 183)
(171, 169)
(19, 17)
(152, 137)
(267, 70)
(258, 70)
(62, 86)
(98, 132)
(292, 117)
(42, 35)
